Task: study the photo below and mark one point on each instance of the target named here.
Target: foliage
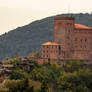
(47, 77)
(19, 86)
(14, 61)
(17, 74)
(71, 82)
(73, 65)
(44, 87)
(35, 54)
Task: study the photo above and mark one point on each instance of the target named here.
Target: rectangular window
(59, 23)
(69, 24)
(43, 46)
(85, 40)
(43, 51)
(81, 40)
(43, 55)
(75, 46)
(75, 39)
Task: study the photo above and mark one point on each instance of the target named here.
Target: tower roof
(63, 18)
(50, 43)
(80, 26)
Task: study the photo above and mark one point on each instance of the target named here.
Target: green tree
(17, 74)
(71, 82)
(44, 87)
(20, 86)
(35, 54)
(73, 65)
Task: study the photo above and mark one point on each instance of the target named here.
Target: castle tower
(64, 34)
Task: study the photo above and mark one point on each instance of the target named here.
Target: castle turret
(63, 34)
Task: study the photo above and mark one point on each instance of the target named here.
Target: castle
(71, 41)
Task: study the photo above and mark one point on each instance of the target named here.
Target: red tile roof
(50, 43)
(80, 26)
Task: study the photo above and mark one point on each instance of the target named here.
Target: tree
(71, 82)
(17, 74)
(73, 65)
(35, 54)
(19, 86)
(44, 87)
(49, 61)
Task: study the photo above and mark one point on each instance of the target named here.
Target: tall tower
(64, 34)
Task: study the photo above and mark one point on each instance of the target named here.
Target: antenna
(68, 9)
(69, 6)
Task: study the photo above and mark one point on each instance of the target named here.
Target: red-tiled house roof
(80, 26)
(50, 43)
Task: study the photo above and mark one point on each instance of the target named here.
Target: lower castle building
(71, 41)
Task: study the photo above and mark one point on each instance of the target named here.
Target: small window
(69, 24)
(75, 46)
(85, 40)
(75, 39)
(59, 23)
(69, 31)
(85, 46)
(81, 40)
(67, 37)
(43, 46)
(43, 55)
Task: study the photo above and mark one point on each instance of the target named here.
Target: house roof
(50, 43)
(80, 26)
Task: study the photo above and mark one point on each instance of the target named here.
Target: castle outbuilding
(71, 41)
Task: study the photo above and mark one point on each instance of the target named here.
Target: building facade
(71, 41)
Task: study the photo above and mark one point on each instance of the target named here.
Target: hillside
(26, 39)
